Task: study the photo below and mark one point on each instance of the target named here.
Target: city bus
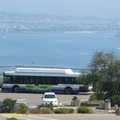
(42, 80)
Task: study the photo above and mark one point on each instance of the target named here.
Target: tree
(103, 74)
(102, 60)
(8, 105)
(83, 79)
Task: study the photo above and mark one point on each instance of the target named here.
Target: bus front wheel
(68, 90)
(16, 89)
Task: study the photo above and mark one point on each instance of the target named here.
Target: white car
(49, 97)
(29, 105)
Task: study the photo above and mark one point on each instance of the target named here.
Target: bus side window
(27, 79)
(18, 79)
(12, 79)
(36, 80)
(67, 80)
(60, 80)
(54, 80)
(73, 81)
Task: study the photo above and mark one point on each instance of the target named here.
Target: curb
(38, 115)
(71, 115)
(52, 115)
(5, 115)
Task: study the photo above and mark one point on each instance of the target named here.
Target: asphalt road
(64, 117)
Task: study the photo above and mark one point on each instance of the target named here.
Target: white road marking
(62, 103)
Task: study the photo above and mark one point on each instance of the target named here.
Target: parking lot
(35, 99)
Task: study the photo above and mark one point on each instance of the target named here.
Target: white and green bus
(42, 80)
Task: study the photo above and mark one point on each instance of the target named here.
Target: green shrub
(99, 96)
(63, 110)
(90, 110)
(117, 112)
(11, 118)
(50, 111)
(71, 110)
(35, 111)
(116, 100)
(9, 105)
(46, 111)
(90, 103)
(93, 97)
(50, 106)
(41, 111)
(23, 109)
(84, 110)
(7, 100)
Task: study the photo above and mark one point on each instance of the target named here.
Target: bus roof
(42, 72)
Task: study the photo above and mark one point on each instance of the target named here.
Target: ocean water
(55, 49)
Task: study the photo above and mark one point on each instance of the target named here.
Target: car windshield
(49, 96)
(29, 104)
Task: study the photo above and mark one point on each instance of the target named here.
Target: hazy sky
(100, 8)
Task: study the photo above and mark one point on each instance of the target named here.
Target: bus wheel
(16, 89)
(68, 90)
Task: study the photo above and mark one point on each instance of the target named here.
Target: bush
(84, 110)
(90, 110)
(93, 97)
(90, 103)
(99, 96)
(35, 111)
(71, 110)
(7, 101)
(46, 106)
(41, 111)
(63, 110)
(117, 112)
(46, 111)
(50, 111)
(9, 105)
(11, 118)
(116, 100)
(23, 109)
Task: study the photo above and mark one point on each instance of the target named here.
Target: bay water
(55, 49)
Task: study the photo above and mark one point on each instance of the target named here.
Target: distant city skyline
(98, 8)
